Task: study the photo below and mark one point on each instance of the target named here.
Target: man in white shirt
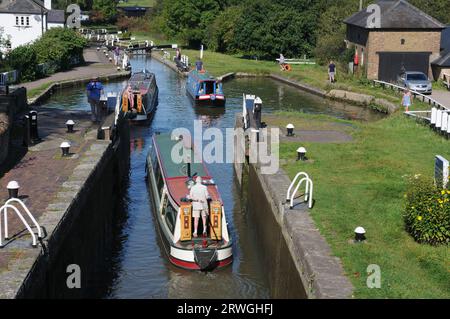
(199, 196)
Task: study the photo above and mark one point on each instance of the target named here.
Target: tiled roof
(397, 14)
(443, 60)
(56, 16)
(22, 6)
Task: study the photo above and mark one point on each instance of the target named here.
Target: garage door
(393, 63)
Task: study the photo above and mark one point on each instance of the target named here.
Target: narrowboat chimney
(189, 169)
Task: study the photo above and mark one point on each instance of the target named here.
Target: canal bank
(96, 64)
(377, 101)
(298, 259)
(73, 199)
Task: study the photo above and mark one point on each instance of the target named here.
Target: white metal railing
(301, 177)
(297, 61)
(4, 209)
(424, 97)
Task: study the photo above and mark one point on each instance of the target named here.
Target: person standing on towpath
(94, 92)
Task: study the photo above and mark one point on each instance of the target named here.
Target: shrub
(23, 59)
(60, 46)
(427, 212)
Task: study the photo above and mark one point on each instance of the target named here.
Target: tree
(105, 9)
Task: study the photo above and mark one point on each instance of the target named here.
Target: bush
(427, 212)
(60, 46)
(24, 59)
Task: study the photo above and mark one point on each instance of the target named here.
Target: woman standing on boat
(199, 196)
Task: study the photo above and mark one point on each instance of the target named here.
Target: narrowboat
(169, 184)
(140, 97)
(205, 89)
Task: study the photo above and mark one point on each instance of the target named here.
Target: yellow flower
(419, 218)
(440, 201)
(443, 192)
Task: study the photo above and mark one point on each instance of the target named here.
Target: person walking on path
(199, 196)
(282, 62)
(332, 72)
(407, 100)
(94, 92)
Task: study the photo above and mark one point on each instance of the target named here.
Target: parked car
(416, 81)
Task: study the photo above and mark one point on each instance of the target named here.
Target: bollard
(13, 189)
(70, 124)
(65, 147)
(360, 234)
(301, 154)
(34, 134)
(290, 129)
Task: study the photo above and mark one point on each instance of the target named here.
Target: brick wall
(390, 41)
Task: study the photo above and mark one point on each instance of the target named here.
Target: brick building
(407, 39)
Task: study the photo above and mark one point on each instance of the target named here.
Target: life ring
(287, 67)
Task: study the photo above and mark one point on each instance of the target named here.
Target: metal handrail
(308, 189)
(25, 208)
(431, 100)
(33, 235)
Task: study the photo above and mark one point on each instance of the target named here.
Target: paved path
(442, 97)
(97, 64)
(42, 171)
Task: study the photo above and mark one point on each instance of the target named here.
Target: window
(170, 216)
(22, 21)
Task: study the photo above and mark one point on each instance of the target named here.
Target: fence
(425, 98)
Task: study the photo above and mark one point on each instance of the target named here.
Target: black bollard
(34, 134)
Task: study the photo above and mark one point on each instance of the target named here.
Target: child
(407, 100)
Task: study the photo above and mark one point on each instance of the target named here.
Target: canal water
(140, 268)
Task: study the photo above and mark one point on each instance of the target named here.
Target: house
(441, 66)
(24, 21)
(407, 39)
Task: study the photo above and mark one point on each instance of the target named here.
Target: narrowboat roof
(165, 144)
(175, 174)
(141, 81)
(202, 76)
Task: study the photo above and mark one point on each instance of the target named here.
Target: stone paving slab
(41, 173)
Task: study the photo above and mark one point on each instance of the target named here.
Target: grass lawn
(35, 92)
(362, 183)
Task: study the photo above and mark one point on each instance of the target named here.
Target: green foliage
(427, 212)
(189, 19)
(220, 37)
(23, 59)
(105, 10)
(58, 48)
